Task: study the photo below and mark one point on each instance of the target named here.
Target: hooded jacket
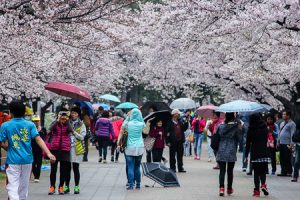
(230, 135)
(104, 128)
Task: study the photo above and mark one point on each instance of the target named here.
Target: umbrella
(183, 103)
(160, 174)
(110, 97)
(163, 115)
(267, 107)
(241, 106)
(68, 90)
(85, 104)
(127, 105)
(298, 101)
(157, 105)
(97, 105)
(206, 111)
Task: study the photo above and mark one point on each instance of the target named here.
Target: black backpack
(296, 137)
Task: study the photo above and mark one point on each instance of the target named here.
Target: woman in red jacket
(198, 126)
(159, 134)
(60, 146)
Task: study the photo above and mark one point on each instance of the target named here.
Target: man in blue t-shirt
(19, 133)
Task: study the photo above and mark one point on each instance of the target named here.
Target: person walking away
(213, 128)
(229, 134)
(135, 147)
(258, 143)
(286, 145)
(16, 136)
(77, 150)
(272, 140)
(104, 130)
(87, 121)
(117, 122)
(208, 138)
(198, 126)
(175, 139)
(158, 132)
(36, 150)
(60, 146)
(188, 140)
(149, 153)
(297, 156)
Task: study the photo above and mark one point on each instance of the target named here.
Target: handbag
(123, 141)
(191, 138)
(149, 143)
(79, 148)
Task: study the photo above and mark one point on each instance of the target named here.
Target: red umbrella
(206, 111)
(68, 90)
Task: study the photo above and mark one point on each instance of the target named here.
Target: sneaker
(100, 159)
(51, 190)
(209, 160)
(198, 158)
(129, 188)
(230, 191)
(256, 193)
(36, 180)
(61, 190)
(265, 189)
(294, 179)
(195, 158)
(244, 169)
(273, 173)
(66, 190)
(221, 192)
(104, 161)
(76, 190)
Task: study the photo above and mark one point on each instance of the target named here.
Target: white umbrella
(183, 103)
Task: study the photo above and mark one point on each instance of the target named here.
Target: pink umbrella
(206, 111)
(68, 90)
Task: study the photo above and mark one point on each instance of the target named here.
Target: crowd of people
(67, 142)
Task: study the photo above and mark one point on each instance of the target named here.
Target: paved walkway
(107, 181)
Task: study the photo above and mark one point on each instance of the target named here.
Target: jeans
(134, 172)
(198, 144)
(297, 162)
(187, 147)
(230, 166)
(209, 149)
(103, 143)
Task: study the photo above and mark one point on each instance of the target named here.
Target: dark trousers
(259, 169)
(285, 159)
(297, 162)
(157, 154)
(230, 166)
(149, 156)
(176, 150)
(113, 150)
(37, 164)
(86, 148)
(103, 143)
(273, 159)
(75, 167)
(63, 169)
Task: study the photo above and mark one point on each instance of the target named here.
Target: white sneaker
(104, 161)
(36, 180)
(209, 160)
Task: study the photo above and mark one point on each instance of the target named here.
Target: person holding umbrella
(158, 133)
(175, 139)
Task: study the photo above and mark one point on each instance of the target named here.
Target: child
(19, 133)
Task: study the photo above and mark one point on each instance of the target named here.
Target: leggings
(75, 167)
(37, 164)
(63, 172)
(260, 169)
(230, 166)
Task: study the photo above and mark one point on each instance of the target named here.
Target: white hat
(175, 111)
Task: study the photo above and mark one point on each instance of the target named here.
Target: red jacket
(61, 139)
(213, 127)
(160, 139)
(201, 125)
(117, 125)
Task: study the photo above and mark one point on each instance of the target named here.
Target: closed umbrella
(206, 111)
(160, 174)
(110, 97)
(127, 105)
(68, 90)
(241, 106)
(183, 103)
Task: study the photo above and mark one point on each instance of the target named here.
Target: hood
(226, 129)
(136, 115)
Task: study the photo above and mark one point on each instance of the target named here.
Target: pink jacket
(117, 125)
(201, 125)
(61, 139)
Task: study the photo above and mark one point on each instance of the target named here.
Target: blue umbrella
(110, 97)
(127, 105)
(241, 106)
(85, 104)
(97, 105)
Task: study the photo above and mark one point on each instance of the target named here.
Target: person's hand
(160, 133)
(51, 157)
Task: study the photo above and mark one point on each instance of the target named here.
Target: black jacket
(257, 139)
(170, 137)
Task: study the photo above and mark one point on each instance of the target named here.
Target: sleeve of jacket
(111, 130)
(248, 143)
(168, 133)
(193, 124)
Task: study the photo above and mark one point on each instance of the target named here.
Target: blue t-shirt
(19, 133)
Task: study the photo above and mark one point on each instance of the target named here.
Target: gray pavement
(107, 181)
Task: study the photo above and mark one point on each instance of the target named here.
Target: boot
(221, 192)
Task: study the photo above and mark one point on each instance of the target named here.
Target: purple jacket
(104, 128)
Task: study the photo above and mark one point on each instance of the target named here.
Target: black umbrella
(163, 115)
(157, 106)
(160, 174)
